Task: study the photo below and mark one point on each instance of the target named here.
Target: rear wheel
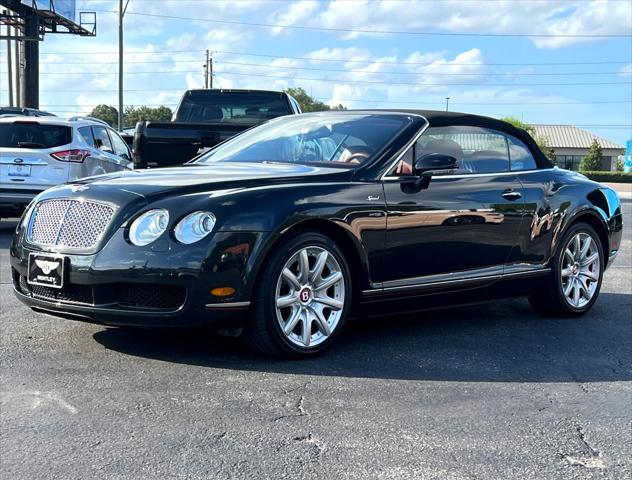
(303, 299)
(576, 275)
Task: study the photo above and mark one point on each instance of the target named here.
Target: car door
(122, 153)
(464, 224)
(105, 160)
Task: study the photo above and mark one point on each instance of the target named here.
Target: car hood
(197, 178)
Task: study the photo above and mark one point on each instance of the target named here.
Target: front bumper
(163, 285)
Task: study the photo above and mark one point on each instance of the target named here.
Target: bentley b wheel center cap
(305, 295)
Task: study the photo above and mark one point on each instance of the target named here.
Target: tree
(547, 149)
(516, 122)
(542, 142)
(592, 161)
(106, 113)
(309, 103)
(132, 115)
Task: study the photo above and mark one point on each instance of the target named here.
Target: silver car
(37, 153)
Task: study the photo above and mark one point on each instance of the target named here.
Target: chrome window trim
(468, 175)
(404, 150)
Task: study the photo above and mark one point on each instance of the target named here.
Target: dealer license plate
(46, 270)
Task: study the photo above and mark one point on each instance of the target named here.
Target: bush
(610, 177)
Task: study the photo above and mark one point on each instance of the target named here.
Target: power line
(98, 52)
(432, 74)
(312, 58)
(368, 31)
(370, 82)
(386, 62)
(395, 102)
(116, 63)
(419, 73)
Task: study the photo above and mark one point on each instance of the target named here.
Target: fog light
(223, 291)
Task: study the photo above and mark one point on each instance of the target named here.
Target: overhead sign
(64, 8)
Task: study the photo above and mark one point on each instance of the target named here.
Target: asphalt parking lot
(487, 392)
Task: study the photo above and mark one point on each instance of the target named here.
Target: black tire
(263, 332)
(549, 299)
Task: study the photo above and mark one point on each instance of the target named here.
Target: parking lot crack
(587, 456)
(582, 437)
(310, 439)
(300, 411)
(299, 406)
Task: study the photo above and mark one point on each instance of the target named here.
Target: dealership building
(571, 145)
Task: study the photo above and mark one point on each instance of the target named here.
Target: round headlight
(195, 226)
(148, 227)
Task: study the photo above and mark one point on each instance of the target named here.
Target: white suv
(37, 153)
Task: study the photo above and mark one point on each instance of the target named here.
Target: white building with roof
(571, 145)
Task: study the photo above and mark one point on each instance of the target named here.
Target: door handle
(511, 195)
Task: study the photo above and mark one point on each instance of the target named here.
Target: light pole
(122, 11)
(447, 103)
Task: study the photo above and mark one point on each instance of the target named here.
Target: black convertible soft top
(437, 118)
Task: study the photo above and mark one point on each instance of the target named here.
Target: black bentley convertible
(287, 230)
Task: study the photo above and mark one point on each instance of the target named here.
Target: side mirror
(432, 164)
(427, 164)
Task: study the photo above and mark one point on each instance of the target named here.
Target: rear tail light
(76, 156)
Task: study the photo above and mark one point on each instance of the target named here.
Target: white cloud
(296, 13)
(595, 18)
(598, 17)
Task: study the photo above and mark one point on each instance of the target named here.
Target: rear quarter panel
(553, 200)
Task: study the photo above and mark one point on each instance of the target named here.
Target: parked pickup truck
(203, 119)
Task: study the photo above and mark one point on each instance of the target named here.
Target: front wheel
(576, 275)
(302, 300)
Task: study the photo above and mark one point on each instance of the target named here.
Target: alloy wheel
(310, 296)
(580, 269)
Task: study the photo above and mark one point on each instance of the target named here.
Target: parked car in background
(127, 134)
(203, 119)
(27, 112)
(37, 153)
(290, 228)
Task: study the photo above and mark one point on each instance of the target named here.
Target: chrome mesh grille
(69, 223)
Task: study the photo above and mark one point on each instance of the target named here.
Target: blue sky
(521, 75)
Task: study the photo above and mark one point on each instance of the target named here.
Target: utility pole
(206, 66)
(18, 69)
(122, 11)
(210, 71)
(447, 103)
(9, 63)
(30, 57)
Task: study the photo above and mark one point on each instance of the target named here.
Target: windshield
(251, 108)
(27, 134)
(341, 139)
